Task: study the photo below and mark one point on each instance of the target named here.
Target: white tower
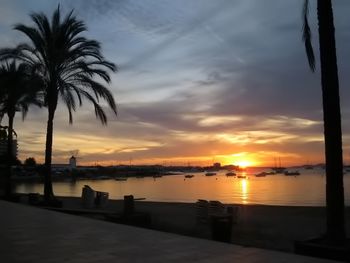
(72, 162)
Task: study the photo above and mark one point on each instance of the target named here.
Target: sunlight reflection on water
(244, 191)
(308, 189)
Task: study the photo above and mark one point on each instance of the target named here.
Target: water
(308, 189)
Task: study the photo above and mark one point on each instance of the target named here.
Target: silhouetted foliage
(3, 132)
(30, 162)
(19, 88)
(67, 63)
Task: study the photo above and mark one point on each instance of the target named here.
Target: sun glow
(243, 163)
(241, 159)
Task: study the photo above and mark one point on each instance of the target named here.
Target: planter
(318, 247)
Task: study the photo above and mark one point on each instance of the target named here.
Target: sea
(307, 189)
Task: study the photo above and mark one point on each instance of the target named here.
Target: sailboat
(279, 169)
(308, 166)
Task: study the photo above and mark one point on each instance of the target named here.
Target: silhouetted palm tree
(67, 62)
(19, 88)
(331, 115)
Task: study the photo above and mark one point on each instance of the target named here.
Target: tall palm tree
(335, 232)
(19, 88)
(67, 62)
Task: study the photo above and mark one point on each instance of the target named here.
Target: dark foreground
(270, 227)
(29, 234)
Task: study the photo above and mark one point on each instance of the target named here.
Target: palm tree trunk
(332, 124)
(48, 190)
(10, 157)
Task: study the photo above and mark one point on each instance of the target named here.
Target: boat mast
(279, 158)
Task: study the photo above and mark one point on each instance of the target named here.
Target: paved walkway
(29, 234)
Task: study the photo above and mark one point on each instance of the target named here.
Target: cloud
(197, 79)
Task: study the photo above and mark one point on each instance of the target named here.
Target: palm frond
(56, 17)
(66, 61)
(99, 112)
(307, 37)
(24, 111)
(18, 88)
(69, 100)
(100, 91)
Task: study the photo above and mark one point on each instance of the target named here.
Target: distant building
(60, 167)
(217, 165)
(73, 162)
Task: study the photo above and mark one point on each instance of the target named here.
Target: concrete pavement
(30, 234)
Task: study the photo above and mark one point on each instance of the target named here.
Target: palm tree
(19, 88)
(335, 232)
(67, 62)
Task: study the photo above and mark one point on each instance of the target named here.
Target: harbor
(273, 189)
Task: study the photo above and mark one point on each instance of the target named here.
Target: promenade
(29, 234)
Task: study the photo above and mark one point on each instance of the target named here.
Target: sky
(198, 82)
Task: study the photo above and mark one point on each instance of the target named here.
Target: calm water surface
(308, 189)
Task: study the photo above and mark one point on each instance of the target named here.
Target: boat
(120, 179)
(157, 176)
(308, 166)
(242, 176)
(189, 175)
(104, 177)
(262, 174)
(278, 169)
(230, 174)
(210, 174)
(291, 173)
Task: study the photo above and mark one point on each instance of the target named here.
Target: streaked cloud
(197, 80)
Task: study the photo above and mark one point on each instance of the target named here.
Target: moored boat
(189, 175)
(291, 173)
(104, 177)
(279, 170)
(120, 179)
(210, 174)
(230, 174)
(262, 174)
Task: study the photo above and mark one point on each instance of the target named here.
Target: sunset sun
(243, 163)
